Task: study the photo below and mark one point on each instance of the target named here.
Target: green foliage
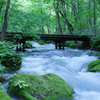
(41, 42)
(5, 47)
(9, 59)
(2, 79)
(30, 36)
(4, 96)
(20, 84)
(1, 87)
(35, 16)
(16, 36)
(97, 54)
(95, 43)
(28, 45)
(70, 44)
(2, 69)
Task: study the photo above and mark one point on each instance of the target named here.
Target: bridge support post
(56, 46)
(23, 45)
(20, 45)
(63, 45)
(86, 44)
(59, 45)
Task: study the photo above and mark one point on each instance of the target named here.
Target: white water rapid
(70, 64)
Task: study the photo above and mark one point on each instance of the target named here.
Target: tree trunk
(75, 13)
(56, 6)
(94, 21)
(63, 13)
(5, 24)
(59, 25)
(70, 27)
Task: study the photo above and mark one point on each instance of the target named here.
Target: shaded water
(70, 64)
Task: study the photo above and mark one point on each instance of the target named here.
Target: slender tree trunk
(89, 17)
(94, 21)
(56, 6)
(59, 24)
(70, 27)
(48, 27)
(63, 13)
(5, 24)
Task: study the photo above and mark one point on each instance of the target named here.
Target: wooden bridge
(60, 39)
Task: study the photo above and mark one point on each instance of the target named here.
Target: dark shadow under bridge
(60, 39)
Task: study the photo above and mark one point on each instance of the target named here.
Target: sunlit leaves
(32, 15)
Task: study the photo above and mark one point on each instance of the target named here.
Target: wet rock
(94, 66)
(39, 87)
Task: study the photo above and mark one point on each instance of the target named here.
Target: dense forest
(52, 16)
(29, 18)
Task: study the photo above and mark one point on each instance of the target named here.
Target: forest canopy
(52, 16)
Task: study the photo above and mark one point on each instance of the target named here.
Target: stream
(70, 64)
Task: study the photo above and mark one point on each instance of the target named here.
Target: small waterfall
(70, 64)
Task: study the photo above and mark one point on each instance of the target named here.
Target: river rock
(39, 87)
(94, 66)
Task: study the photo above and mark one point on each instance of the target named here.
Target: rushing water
(70, 64)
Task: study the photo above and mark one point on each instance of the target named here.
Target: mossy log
(39, 87)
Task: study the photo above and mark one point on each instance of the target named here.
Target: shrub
(70, 44)
(8, 58)
(95, 43)
(28, 45)
(11, 61)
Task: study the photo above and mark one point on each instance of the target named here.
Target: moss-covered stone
(12, 61)
(39, 87)
(28, 45)
(4, 96)
(94, 66)
(9, 59)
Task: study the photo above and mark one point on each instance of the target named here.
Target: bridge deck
(59, 39)
(63, 37)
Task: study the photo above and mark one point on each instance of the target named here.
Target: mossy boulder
(8, 58)
(4, 96)
(39, 87)
(94, 66)
(28, 45)
(12, 61)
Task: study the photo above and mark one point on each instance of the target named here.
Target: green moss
(11, 61)
(94, 66)
(95, 43)
(97, 54)
(70, 44)
(41, 87)
(4, 96)
(28, 45)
